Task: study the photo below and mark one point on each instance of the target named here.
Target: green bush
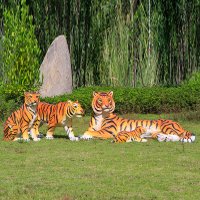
(8, 105)
(138, 100)
(11, 98)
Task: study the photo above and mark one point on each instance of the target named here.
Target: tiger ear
(94, 93)
(69, 101)
(26, 93)
(110, 93)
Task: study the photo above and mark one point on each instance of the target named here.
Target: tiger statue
(129, 136)
(21, 120)
(105, 124)
(59, 114)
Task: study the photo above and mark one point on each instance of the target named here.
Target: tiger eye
(75, 105)
(99, 100)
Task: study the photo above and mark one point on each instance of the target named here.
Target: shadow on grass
(61, 136)
(56, 136)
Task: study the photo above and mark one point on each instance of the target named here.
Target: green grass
(98, 169)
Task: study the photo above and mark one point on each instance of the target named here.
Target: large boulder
(55, 70)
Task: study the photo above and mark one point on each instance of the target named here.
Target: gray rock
(55, 70)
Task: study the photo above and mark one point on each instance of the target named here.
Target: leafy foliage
(118, 43)
(184, 98)
(11, 98)
(121, 43)
(8, 105)
(20, 50)
(140, 100)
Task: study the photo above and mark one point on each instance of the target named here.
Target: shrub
(11, 98)
(8, 105)
(139, 100)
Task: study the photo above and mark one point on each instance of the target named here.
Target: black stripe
(131, 126)
(121, 125)
(111, 126)
(151, 122)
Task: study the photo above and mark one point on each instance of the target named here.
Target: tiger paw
(17, 139)
(136, 140)
(144, 140)
(161, 138)
(191, 139)
(86, 137)
(74, 139)
(36, 139)
(167, 138)
(48, 137)
(186, 140)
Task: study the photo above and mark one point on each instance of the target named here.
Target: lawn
(99, 169)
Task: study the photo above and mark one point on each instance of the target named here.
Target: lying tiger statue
(59, 114)
(21, 120)
(130, 136)
(105, 124)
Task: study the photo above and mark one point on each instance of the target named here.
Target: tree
(20, 50)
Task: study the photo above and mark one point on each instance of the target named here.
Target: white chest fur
(97, 122)
(32, 121)
(32, 110)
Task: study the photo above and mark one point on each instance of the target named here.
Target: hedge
(138, 100)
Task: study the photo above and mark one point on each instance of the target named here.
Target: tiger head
(76, 108)
(140, 129)
(103, 102)
(31, 98)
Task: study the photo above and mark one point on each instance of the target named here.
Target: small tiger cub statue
(130, 136)
(21, 120)
(56, 115)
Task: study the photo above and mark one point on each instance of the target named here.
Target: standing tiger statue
(105, 124)
(59, 114)
(21, 120)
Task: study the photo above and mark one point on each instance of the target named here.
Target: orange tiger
(57, 115)
(129, 136)
(21, 120)
(104, 124)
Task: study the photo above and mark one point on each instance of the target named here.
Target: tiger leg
(70, 133)
(176, 132)
(50, 132)
(11, 132)
(103, 134)
(136, 139)
(34, 135)
(188, 137)
(136, 134)
(120, 138)
(25, 135)
(155, 134)
(161, 137)
(34, 132)
(125, 136)
(167, 138)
